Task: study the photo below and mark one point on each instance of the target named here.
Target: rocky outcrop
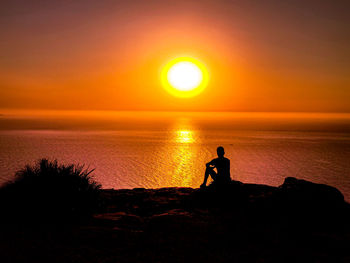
(299, 221)
(301, 191)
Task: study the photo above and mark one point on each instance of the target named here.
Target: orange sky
(107, 55)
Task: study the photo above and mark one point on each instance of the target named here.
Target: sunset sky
(267, 55)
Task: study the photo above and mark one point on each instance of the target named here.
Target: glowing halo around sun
(184, 77)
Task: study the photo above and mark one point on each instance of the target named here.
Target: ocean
(163, 149)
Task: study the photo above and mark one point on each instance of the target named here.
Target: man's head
(220, 150)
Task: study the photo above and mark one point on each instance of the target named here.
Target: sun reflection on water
(184, 136)
(179, 155)
(183, 155)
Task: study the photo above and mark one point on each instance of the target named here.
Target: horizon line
(163, 111)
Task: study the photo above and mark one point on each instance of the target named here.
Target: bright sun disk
(184, 77)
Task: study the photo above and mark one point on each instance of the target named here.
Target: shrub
(50, 191)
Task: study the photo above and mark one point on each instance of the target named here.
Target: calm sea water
(170, 149)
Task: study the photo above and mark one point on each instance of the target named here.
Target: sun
(184, 77)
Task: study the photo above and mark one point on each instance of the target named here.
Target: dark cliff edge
(298, 221)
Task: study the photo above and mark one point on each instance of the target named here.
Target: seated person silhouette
(222, 165)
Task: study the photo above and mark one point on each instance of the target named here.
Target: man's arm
(211, 163)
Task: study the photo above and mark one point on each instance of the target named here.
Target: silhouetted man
(222, 165)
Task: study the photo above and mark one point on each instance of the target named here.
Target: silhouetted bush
(51, 192)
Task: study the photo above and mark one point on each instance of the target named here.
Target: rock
(310, 205)
(299, 221)
(302, 191)
(175, 220)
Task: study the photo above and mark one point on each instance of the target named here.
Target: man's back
(222, 165)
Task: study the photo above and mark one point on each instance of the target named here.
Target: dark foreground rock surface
(297, 222)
